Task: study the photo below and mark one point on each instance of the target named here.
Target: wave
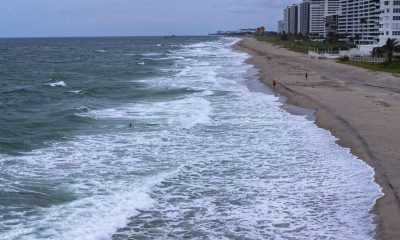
(151, 54)
(183, 113)
(58, 84)
(75, 91)
(100, 51)
(103, 206)
(164, 58)
(203, 148)
(20, 90)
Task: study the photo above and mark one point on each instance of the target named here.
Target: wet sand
(360, 107)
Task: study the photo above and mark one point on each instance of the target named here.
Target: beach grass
(302, 46)
(393, 67)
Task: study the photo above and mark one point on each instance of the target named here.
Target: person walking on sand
(273, 83)
(306, 76)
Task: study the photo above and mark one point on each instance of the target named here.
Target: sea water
(206, 157)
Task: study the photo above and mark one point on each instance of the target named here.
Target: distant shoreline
(360, 107)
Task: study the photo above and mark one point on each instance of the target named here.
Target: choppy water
(206, 158)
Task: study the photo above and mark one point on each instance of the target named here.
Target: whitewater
(207, 156)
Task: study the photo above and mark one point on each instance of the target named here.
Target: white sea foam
(141, 63)
(223, 162)
(151, 54)
(182, 113)
(100, 51)
(75, 91)
(103, 206)
(58, 84)
(163, 58)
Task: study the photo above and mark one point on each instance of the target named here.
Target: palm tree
(390, 47)
(362, 22)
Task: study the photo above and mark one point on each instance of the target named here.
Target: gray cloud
(134, 17)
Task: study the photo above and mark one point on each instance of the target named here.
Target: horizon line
(105, 36)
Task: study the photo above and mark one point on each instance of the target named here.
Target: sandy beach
(359, 107)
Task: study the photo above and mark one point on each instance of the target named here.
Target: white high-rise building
(359, 21)
(291, 20)
(286, 20)
(308, 17)
(389, 21)
(318, 10)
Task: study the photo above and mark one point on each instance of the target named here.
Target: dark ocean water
(36, 107)
(205, 158)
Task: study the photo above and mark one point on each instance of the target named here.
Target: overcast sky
(39, 18)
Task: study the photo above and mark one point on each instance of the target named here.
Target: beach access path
(360, 107)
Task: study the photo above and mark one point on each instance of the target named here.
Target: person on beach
(130, 124)
(306, 76)
(274, 83)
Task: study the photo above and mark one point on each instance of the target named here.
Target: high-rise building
(305, 17)
(389, 25)
(359, 21)
(318, 10)
(331, 23)
(365, 22)
(281, 26)
(286, 20)
(294, 18)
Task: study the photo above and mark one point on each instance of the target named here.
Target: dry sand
(360, 107)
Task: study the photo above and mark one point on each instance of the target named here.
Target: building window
(387, 32)
(396, 17)
(397, 33)
(396, 3)
(386, 3)
(396, 10)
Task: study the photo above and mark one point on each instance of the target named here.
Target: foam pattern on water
(220, 162)
(257, 172)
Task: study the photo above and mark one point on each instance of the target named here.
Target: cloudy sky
(38, 18)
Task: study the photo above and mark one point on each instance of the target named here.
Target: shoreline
(358, 106)
(254, 84)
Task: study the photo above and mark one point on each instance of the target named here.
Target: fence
(323, 54)
(367, 59)
(353, 54)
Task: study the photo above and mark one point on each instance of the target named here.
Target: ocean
(164, 138)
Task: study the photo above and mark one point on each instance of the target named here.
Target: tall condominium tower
(294, 19)
(318, 10)
(359, 20)
(389, 26)
(286, 20)
(305, 18)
